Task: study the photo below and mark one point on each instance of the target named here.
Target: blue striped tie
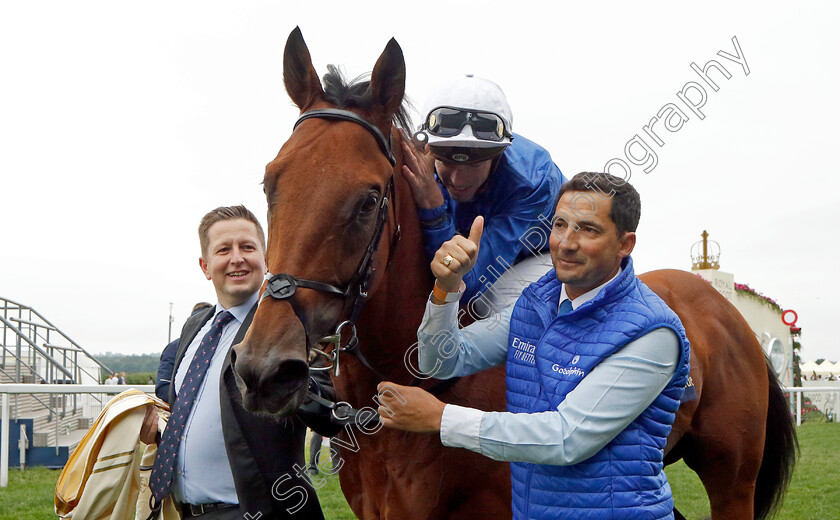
(164, 468)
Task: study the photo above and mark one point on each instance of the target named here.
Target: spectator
(315, 454)
(121, 380)
(167, 360)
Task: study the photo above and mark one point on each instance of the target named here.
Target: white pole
(22, 441)
(799, 408)
(171, 319)
(4, 444)
(790, 362)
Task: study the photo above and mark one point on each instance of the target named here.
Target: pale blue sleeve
(604, 403)
(446, 351)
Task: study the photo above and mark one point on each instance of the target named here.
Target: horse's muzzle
(268, 384)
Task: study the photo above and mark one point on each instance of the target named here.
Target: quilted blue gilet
(548, 356)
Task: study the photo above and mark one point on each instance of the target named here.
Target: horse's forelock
(356, 94)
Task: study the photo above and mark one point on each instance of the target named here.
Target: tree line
(130, 363)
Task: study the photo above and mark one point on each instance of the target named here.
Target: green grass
(332, 499)
(29, 495)
(812, 495)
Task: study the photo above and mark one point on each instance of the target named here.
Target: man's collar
(585, 297)
(240, 312)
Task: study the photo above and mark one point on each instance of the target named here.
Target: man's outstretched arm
(599, 408)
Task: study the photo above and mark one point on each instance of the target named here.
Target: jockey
(473, 164)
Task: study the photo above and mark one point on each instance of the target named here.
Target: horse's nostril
(270, 385)
(233, 358)
(290, 375)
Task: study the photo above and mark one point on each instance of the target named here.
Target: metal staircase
(33, 350)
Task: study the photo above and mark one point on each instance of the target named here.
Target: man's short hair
(200, 306)
(627, 205)
(221, 214)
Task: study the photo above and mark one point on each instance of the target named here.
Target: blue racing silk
(517, 203)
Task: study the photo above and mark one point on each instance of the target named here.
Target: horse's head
(326, 213)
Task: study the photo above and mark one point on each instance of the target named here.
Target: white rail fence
(8, 389)
(830, 405)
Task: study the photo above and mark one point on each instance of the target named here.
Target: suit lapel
(246, 471)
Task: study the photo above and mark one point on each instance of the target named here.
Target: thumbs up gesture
(456, 257)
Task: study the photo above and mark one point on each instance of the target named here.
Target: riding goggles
(449, 121)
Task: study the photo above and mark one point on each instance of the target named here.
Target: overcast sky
(121, 124)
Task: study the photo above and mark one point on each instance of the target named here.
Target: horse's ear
(387, 81)
(302, 82)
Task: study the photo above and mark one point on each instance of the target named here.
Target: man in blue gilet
(595, 367)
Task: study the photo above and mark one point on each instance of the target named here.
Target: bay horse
(344, 244)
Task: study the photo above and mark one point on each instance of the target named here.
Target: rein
(283, 286)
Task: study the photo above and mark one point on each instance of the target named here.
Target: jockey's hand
(148, 432)
(463, 253)
(419, 170)
(408, 408)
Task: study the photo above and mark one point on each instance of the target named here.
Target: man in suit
(215, 458)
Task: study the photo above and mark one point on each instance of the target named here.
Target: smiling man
(596, 364)
(218, 460)
(475, 165)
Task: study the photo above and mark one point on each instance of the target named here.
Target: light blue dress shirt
(599, 408)
(203, 474)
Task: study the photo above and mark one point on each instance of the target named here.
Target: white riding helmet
(468, 120)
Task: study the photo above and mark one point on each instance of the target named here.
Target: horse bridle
(283, 286)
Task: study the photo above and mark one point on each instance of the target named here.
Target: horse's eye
(370, 204)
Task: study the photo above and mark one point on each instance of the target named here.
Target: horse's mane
(356, 94)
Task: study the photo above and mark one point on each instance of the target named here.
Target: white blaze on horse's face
(586, 249)
(234, 260)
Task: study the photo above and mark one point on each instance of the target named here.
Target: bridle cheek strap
(283, 286)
